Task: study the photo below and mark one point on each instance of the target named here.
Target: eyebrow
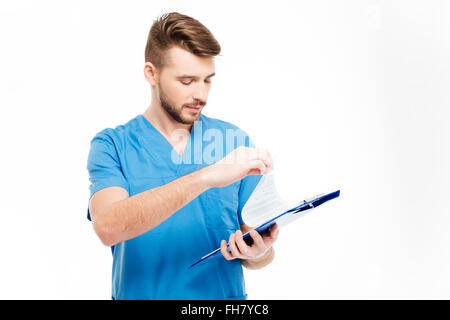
(186, 76)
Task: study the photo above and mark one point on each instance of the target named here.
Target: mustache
(193, 104)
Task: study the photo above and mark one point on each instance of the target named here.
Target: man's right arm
(117, 217)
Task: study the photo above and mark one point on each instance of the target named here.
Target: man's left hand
(240, 250)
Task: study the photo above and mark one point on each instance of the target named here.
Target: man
(160, 196)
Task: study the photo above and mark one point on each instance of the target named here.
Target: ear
(151, 73)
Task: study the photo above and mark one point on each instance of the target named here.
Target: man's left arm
(256, 256)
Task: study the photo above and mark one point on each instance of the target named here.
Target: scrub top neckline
(187, 148)
(165, 139)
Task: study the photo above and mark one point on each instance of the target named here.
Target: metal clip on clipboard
(309, 201)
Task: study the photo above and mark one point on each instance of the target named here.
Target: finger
(243, 247)
(264, 155)
(234, 250)
(223, 248)
(257, 239)
(273, 236)
(271, 163)
(274, 231)
(256, 166)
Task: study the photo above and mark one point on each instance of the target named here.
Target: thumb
(256, 166)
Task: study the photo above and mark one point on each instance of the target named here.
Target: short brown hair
(175, 29)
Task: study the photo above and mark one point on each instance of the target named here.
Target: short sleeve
(103, 165)
(247, 186)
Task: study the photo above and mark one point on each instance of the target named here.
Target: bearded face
(186, 113)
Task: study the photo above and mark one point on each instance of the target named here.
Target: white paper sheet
(264, 203)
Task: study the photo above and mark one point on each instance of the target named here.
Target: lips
(196, 107)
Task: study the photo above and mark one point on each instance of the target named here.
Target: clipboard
(282, 219)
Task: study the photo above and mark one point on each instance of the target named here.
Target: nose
(201, 93)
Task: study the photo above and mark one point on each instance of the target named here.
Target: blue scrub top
(155, 265)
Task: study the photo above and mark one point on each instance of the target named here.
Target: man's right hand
(238, 164)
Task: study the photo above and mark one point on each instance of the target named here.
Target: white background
(349, 95)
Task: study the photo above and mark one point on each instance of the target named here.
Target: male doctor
(169, 185)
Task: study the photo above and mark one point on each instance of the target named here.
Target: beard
(177, 114)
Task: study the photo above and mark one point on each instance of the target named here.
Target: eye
(186, 83)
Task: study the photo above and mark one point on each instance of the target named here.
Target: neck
(162, 121)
